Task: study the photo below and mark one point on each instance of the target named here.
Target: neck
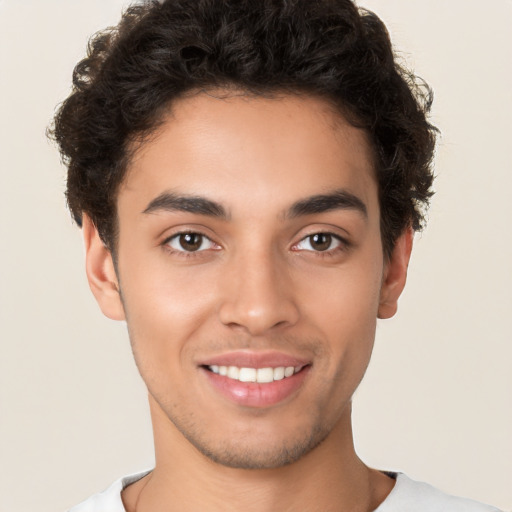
(330, 477)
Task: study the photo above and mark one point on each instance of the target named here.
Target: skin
(256, 284)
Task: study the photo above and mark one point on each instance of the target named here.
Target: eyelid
(344, 243)
(175, 236)
(334, 237)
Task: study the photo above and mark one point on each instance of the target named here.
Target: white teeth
(247, 375)
(260, 375)
(233, 372)
(289, 371)
(265, 375)
(279, 373)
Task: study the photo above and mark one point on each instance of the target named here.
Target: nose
(258, 295)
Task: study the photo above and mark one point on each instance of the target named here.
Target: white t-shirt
(406, 496)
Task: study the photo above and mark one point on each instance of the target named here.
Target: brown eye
(190, 242)
(320, 241)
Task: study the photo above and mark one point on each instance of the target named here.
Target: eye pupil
(191, 241)
(321, 241)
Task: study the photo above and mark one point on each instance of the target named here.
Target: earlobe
(101, 272)
(395, 275)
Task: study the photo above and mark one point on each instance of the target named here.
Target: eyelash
(343, 246)
(183, 253)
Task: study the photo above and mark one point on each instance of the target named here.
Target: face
(251, 273)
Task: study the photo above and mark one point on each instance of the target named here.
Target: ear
(101, 273)
(395, 274)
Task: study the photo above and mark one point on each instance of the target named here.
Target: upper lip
(253, 359)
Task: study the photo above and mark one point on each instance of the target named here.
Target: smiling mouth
(258, 375)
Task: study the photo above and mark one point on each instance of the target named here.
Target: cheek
(347, 296)
(343, 307)
(164, 308)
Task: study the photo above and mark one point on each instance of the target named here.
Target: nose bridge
(258, 292)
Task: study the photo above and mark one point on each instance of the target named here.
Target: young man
(248, 177)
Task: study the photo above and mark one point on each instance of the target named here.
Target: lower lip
(253, 394)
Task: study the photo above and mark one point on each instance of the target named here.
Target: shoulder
(110, 498)
(410, 495)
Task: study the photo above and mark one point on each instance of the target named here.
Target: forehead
(243, 150)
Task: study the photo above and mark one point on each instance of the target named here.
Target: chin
(260, 454)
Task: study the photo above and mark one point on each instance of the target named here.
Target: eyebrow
(171, 202)
(320, 203)
(337, 200)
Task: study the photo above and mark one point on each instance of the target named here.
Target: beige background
(437, 399)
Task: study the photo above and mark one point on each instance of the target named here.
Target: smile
(259, 375)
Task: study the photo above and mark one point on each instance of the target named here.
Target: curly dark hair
(163, 49)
